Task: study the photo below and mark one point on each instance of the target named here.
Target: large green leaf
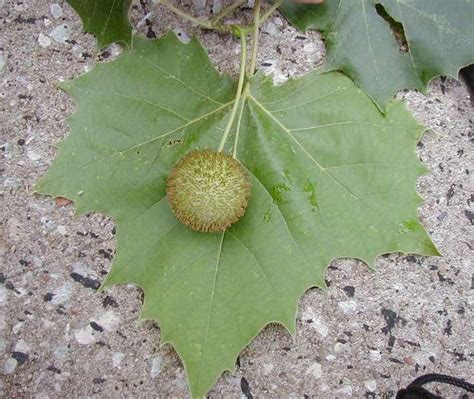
(331, 177)
(360, 43)
(106, 19)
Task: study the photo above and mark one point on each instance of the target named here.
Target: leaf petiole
(242, 92)
(256, 24)
(238, 95)
(212, 24)
(203, 23)
(239, 119)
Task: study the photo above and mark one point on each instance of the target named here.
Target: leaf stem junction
(240, 31)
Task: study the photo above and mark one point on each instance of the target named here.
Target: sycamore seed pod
(208, 191)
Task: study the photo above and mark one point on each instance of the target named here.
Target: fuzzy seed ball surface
(208, 191)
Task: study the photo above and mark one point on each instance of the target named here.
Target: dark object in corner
(416, 391)
(466, 74)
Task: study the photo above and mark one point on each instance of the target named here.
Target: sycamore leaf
(106, 19)
(331, 177)
(439, 39)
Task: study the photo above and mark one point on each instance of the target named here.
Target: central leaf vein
(211, 306)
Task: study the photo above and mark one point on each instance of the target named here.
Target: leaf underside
(439, 38)
(106, 19)
(331, 177)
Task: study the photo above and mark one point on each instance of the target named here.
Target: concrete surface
(369, 335)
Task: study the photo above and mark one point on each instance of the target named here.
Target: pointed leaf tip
(108, 22)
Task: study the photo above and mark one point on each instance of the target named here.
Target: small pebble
(78, 50)
(33, 155)
(156, 366)
(3, 296)
(319, 325)
(109, 320)
(271, 29)
(371, 385)
(61, 230)
(85, 336)
(315, 370)
(375, 356)
(144, 19)
(60, 34)
(339, 347)
(323, 387)
(277, 21)
(60, 352)
(2, 62)
(216, 6)
(315, 322)
(117, 358)
(310, 47)
(56, 10)
(348, 306)
(199, 5)
(267, 368)
(21, 346)
(17, 327)
(43, 40)
(347, 390)
(182, 35)
(408, 360)
(10, 366)
(61, 295)
(47, 223)
(5, 147)
(12, 183)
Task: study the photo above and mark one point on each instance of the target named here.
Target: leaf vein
(107, 20)
(367, 163)
(312, 100)
(305, 151)
(175, 78)
(135, 99)
(209, 316)
(257, 261)
(190, 123)
(177, 274)
(343, 123)
(282, 217)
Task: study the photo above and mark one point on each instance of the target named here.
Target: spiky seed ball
(208, 191)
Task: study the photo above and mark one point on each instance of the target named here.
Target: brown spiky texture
(208, 191)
